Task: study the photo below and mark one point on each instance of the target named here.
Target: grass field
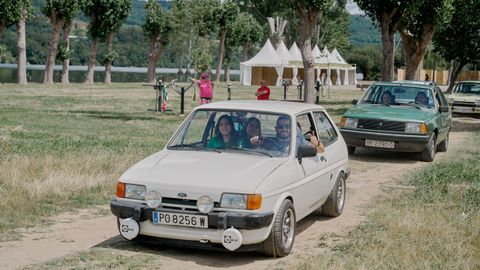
(64, 147)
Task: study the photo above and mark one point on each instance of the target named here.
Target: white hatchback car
(214, 184)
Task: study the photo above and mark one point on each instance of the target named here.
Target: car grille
(463, 104)
(378, 124)
(176, 203)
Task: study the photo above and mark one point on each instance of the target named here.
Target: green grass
(434, 227)
(63, 147)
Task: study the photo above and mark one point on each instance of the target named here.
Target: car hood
(198, 172)
(394, 112)
(464, 97)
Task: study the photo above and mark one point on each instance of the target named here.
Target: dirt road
(83, 230)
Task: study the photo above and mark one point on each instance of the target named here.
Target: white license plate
(380, 144)
(463, 109)
(187, 220)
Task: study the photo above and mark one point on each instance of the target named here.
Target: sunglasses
(283, 126)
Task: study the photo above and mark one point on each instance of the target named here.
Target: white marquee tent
(266, 65)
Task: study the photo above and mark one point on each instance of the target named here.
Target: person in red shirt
(263, 93)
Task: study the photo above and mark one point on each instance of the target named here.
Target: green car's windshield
(242, 132)
(472, 88)
(399, 95)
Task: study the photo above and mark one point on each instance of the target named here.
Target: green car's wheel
(429, 152)
(443, 146)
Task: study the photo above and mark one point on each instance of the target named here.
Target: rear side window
(326, 132)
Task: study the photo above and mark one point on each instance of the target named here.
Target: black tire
(333, 207)
(429, 152)
(351, 150)
(280, 241)
(443, 146)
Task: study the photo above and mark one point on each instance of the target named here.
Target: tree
(64, 48)
(332, 30)
(309, 10)
(157, 28)
(368, 60)
(106, 18)
(17, 12)
(226, 15)
(387, 14)
(417, 28)
(59, 11)
(459, 40)
(247, 32)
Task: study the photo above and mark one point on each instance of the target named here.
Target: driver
(281, 142)
(421, 98)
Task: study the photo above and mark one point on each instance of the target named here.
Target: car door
(445, 117)
(316, 176)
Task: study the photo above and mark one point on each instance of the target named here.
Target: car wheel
(280, 241)
(333, 207)
(443, 146)
(429, 152)
(351, 150)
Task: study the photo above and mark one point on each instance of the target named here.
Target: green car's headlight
(346, 122)
(136, 192)
(416, 128)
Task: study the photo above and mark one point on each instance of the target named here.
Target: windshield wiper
(249, 151)
(194, 147)
(412, 105)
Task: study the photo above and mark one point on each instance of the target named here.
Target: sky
(352, 8)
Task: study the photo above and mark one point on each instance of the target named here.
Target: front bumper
(471, 108)
(403, 142)
(222, 220)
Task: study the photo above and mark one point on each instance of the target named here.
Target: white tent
(296, 62)
(335, 68)
(266, 65)
(284, 54)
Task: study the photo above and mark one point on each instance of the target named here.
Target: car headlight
(153, 199)
(346, 122)
(205, 204)
(136, 192)
(416, 128)
(450, 100)
(477, 102)
(241, 201)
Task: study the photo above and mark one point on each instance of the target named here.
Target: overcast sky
(353, 8)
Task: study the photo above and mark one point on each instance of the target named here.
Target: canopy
(265, 60)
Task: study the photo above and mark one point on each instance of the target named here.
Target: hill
(363, 31)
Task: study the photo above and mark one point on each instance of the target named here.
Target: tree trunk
(308, 22)
(21, 47)
(57, 24)
(66, 62)
(455, 71)
(220, 53)
(92, 55)
(246, 48)
(154, 52)
(415, 50)
(108, 63)
(387, 49)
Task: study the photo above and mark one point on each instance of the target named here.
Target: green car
(402, 116)
(465, 97)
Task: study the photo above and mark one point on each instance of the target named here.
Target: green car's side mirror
(355, 101)
(444, 109)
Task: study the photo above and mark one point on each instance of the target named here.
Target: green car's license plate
(380, 144)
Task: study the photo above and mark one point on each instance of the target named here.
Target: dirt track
(85, 229)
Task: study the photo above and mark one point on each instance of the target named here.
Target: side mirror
(444, 109)
(306, 150)
(355, 101)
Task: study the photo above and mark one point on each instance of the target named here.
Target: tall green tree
(332, 30)
(387, 14)
(106, 18)
(9, 13)
(309, 11)
(417, 27)
(226, 15)
(64, 48)
(459, 40)
(246, 32)
(157, 28)
(368, 60)
(58, 11)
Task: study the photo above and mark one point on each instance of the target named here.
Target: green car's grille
(463, 104)
(378, 124)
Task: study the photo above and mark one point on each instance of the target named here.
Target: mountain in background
(363, 32)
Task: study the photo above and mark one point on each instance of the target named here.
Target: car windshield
(398, 95)
(468, 88)
(243, 132)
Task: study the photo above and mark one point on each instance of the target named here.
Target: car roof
(424, 83)
(284, 107)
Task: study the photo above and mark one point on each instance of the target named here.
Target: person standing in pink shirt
(206, 88)
(263, 93)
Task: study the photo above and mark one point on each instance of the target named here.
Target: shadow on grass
(114, 115)
(466, 123)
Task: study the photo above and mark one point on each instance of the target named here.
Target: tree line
(198, 29)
